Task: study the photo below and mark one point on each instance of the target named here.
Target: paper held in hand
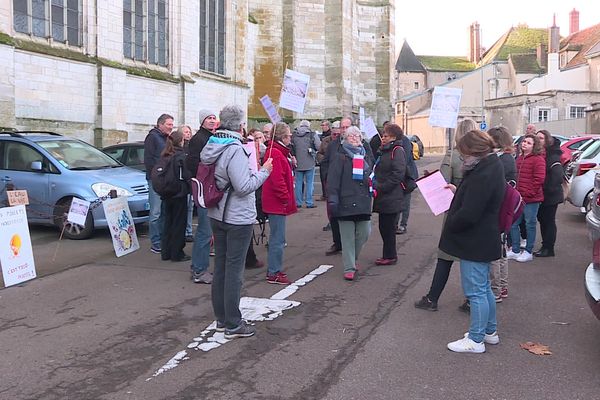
(434, 191)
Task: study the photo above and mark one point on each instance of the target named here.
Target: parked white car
(581, 183)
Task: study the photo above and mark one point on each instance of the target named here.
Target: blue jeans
(530, 215)
(308, 190)
(155, 223)
(276, 243)
(231, 245)
(201, 249)
(189, 231)
(475, 278)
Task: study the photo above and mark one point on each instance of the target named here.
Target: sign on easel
(16, 253)
(121, 225)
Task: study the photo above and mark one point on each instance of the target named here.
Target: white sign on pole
(361, 117)
(445, 106)
(270, 109)
(369, 129)
(16, 254)
(120, 223)
(294, 91)
(78, 211)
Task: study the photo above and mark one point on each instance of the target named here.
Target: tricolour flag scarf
(358, 164)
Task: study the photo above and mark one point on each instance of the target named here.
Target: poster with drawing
(120, 223)
(445, 106)
(16, 253)
(294, 91)
(78, 211)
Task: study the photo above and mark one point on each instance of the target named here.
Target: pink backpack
(511, 208)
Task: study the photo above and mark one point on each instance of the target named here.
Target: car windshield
(76, 155)
(591, 150)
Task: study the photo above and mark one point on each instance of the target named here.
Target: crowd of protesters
(358, 177)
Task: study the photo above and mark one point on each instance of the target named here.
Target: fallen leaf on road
(536, 348)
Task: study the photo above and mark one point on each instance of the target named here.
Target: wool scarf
(358, 160)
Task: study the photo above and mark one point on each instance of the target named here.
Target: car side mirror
(36, 166)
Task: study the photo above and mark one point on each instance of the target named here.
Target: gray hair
(304, 123)
(464, 126)
(267, 126)
(336, 124)
(232, 117)
(353, 130)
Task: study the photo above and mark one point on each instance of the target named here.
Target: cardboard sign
(120, 223)
(78, 211)
(16, 254)
(294, 91)
(17, 197)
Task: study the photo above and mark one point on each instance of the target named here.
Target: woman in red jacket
(278, 199)
(531, 173)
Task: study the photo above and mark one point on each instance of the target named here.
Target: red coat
(278, 190)
(531, 173)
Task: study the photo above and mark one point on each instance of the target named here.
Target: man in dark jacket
(201, 249)
(325, 133)
(153, 145)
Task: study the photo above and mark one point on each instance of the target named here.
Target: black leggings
(387, 230)
(547, 217)
(440, 278)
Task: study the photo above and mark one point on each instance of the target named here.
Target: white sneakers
(523, 256)
(511, 255)
(466, 345)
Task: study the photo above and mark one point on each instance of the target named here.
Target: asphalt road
(102, 327)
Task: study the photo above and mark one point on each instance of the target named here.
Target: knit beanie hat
(205, 114)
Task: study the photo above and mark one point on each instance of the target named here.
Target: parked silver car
(592, 273)
(581, 183)
(55, 168)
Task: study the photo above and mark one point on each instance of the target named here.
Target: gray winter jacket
(233, 168)
(305, 144)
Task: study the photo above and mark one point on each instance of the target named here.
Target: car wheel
(72, 231)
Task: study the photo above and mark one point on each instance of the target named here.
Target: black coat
(471, 229)
(553, 192)
(389, 174)
(510, 167)
(347, 197)
(154, 144)
(197, 143)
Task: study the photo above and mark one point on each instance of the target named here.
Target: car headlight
(101, 189)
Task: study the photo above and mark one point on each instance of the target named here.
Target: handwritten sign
(17, 197)
(120, 223)
(294, 91)
(16, 254)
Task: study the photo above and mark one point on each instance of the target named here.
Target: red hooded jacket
(531, 173)
(278, 190)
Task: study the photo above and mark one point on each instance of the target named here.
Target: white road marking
(253, 309)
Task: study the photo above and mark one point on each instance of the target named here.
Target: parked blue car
(54, 168)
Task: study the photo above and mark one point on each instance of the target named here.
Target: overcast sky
(442, 27)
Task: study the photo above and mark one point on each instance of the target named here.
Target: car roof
(37, 136)
(125, 144)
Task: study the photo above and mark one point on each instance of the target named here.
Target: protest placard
(16, 253)
(270, 109)
(369, 129)
(294, 91)
(78, 211)
(120, 223)
(17, 197)
(445, 106)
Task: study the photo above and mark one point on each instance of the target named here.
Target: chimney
(542, 55)
(573, 21)
(474, 42)
(553, 37)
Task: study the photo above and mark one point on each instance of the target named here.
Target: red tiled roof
(580, 41)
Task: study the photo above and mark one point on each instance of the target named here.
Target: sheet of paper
(270, 109)
(294, 91)
(78, 211)
(445, 106)
(369, 128)
(433, 189)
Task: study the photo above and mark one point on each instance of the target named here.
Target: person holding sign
(390, 170)
(278, 200)
(471, 233)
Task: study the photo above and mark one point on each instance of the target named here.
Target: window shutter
(534, 114)
(554, 114)
(568, 112)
